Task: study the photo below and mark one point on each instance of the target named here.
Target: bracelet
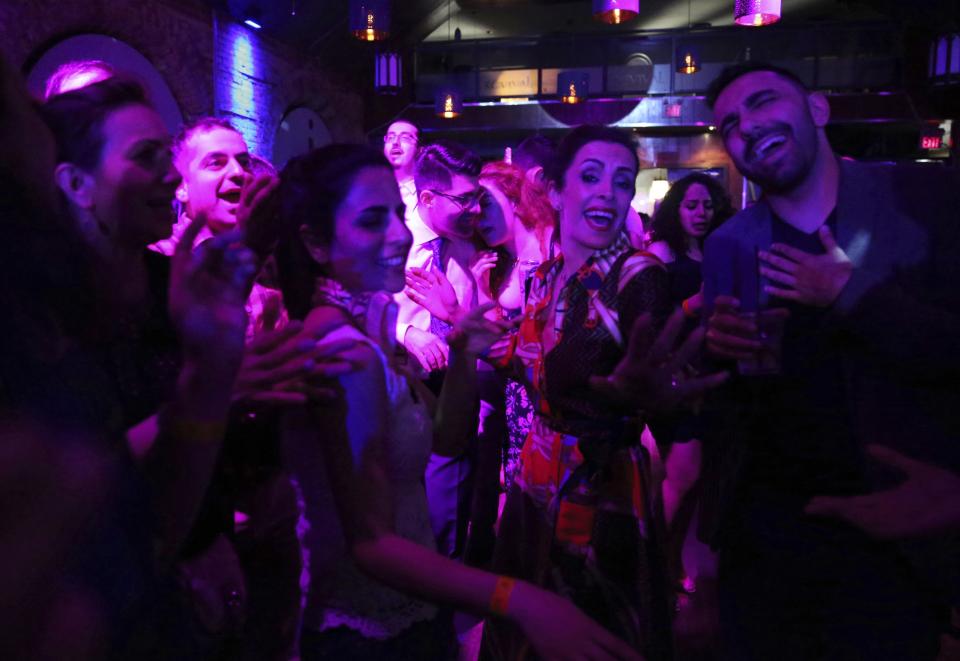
(686, 309)
(500, 599)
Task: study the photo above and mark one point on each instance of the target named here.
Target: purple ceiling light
(756, 13)
(615, 12)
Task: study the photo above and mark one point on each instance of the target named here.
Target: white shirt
(421, 256)
(408, 192)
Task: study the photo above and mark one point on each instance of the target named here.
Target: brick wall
(242, 75)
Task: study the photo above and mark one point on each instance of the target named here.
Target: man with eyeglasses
(400, 148)
(448, 203)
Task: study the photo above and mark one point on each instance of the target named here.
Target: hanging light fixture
(448, 104)
(251, 17)
(658, 189)
(944, 56)
(370, 19)
(615, 12)
(688, 60)
(688, 57)
(388, 72)
(573, 86)
(756, 13)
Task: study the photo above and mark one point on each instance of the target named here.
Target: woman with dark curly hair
(692, 208)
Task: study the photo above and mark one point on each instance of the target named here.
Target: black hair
(534, 151)
(577, 139)
(666, 221)
(312, 187)
(187, 129)
(734, 71)
(76, 117)
(438, 161)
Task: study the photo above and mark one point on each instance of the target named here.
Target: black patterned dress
(579, 518)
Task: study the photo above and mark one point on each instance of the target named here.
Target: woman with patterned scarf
(359, 461)
(579, 518)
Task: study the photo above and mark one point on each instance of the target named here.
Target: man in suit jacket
(859, 263)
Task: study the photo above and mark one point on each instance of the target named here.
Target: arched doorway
(300, 130)
(121, 56)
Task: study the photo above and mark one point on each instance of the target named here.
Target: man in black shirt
(858, 263)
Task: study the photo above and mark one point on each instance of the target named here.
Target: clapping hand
(429, 350)
(474, 333)
(207, 295)
(926, 503)
(431, 289)
(482, 263)
(282, 367)
(815, 280)
(257, 213)
(651, 375)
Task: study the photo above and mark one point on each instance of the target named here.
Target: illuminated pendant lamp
(448, 104)
(573, 86)
(756, 13)
(370, 19)
(688, 57)
(615, 12)
(688, 61)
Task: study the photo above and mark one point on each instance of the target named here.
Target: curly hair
(666, 221)
(531, 206)
(312, 187)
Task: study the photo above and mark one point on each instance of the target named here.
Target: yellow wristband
(500, 599)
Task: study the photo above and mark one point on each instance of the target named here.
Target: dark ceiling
(318, 28)
(318, 25)
(310, 24)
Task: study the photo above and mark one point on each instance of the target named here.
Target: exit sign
(931, 142)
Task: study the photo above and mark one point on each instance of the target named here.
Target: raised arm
(207, 290)
(455, 422)
(353, 446)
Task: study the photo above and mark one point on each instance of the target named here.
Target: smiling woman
(360, 460)
(578, 516)
(114, 168)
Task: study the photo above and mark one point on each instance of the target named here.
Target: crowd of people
(336, 411)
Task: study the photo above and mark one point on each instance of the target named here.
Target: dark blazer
(899, 315)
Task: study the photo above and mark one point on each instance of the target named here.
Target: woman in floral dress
(578, 520)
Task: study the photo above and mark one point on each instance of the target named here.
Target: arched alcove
(300, 130)
(118, 54)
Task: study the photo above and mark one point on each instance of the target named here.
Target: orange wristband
(686, 308)
(500, 599)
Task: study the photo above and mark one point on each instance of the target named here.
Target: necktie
(438, 327)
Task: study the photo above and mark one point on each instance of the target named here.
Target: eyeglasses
(405, 137)
(463, 201)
